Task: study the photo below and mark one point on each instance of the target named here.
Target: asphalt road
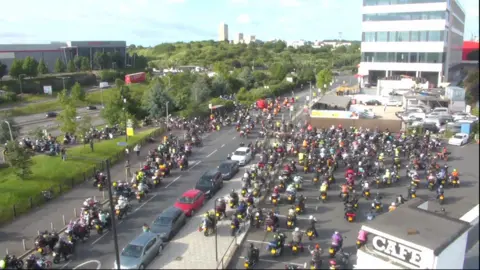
(52, 126)
(216, 148)
(330, 214)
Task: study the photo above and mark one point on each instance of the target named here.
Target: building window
(434, 58)
(435, 35)
(405, 16)
(368, 57)
(403, 36)
(391, 57)
(415, 36)
(413, 57)
(402, 57)
(422, 57)
(423, 36)
(381, 57)
(369, 37)
(392, 36)
(382, 36)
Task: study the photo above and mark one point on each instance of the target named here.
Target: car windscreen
(185, 200)
(133, 251)
(224, 167)
(458, 137)
(162, 221)
(240, 153)
(205, 180)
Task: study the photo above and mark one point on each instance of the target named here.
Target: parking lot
(330, 215)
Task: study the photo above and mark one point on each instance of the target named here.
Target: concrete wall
(453, 256)
(392, 125)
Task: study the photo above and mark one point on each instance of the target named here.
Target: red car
(190, 202)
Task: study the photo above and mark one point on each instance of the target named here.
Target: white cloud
(290, 3)
(239, 1)
(243, 18)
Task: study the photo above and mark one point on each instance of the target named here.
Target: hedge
(35, 85)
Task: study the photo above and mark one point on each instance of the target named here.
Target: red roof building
(470, 51)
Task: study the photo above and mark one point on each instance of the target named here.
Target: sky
(151, 22)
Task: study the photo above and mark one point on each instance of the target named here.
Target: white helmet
(297, 229)
(393, 203)
(336, 232)
(310, 217)
(245, 175)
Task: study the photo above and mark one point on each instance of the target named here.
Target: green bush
(111, 75)
(35, 85)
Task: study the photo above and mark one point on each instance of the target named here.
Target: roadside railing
(8, 214)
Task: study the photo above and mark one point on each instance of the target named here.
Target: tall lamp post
(9, 129)
(124, 112)
(167, 111)
(215, 226)
(20, 78)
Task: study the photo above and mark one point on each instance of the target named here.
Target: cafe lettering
(397, 250)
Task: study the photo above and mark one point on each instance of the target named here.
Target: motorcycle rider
(316, 253)
(301, 202)
(386, 176)
(392, 207)
(242, 207)
(235, 222)
(292, 213)
(102, 217)
(234, 197)
(145, 227)
(63, 247)
(337, 240)
(142, 187)
(313, 221)
(271, 220)
(362, 236)
(324, 187)
(344, 190)
(297, 237)
(440, 191)
(253, 253)
(400, 199)
(229, 157)
(365, 186)
(222, 207)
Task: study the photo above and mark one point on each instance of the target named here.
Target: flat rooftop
(433, 230)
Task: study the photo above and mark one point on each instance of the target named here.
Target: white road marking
(214, 151)
(223, 145)
(143, 204)
(194, 166)
(274, 261)
(100, 238)
(234, 137)
(178, 177)
(298, 218)
(65, 265)
(99, 264)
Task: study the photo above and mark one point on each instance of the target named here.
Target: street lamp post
(215, 226)
(167, 112)
(63, 81)
(9, 129)
(125, 116)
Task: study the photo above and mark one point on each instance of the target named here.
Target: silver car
(141, 251)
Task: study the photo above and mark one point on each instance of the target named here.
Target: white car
(396, 103)
(458, 139)
(243, 155)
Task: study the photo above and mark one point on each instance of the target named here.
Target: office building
(249, 38)
(64, 51)
(418, 38)
(223, 32)
(238, 38)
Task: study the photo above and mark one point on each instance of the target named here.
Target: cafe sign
(397, 251)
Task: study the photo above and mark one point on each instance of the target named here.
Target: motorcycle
(295, 248)
(344, 196)
(291, 222)
(249, 264)
(274, 200)
(290, 198)
(454, 182)
(441, 199)
(366, 194)
(378, 182)
(332, 251)
(120, 212)
(377, 207)
(207, 230)
(351, 217)
(12, 262)
(431, 185)
(360, 243)
(310, 234)
(323, 197)
(139, 195)
(233, 229)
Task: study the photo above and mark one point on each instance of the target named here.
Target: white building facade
(418, 38)
(223, 32)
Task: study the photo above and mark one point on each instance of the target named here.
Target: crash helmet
(297, 229)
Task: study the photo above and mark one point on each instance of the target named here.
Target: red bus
(135, 77)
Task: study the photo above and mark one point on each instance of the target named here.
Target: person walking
(137, 149)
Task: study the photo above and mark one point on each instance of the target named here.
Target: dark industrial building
(63, 50)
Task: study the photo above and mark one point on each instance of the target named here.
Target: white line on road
(211, 153)
(65, 265)
(99, 264)
(138, 208)
(194, 166)
(234, 137)
(178, 177)
(100, 238)
(273, 261)
(223, 145)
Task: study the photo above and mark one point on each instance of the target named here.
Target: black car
(431, 127)
(168, 223)
(210, 182)
(50, 115)
(229, 168)
(373, 102)
(91, 108)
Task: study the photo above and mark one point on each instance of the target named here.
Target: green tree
(114, 112)
(3, 70)
(68, 116)
(63, 97)
(5, 130)
(30, 66)
(16, 68)
(101, 60)
(201, 90)
(154, 101)
(77, 61)
(71, 66)
(19, 158)
(220, 86)
(59, 66)
(84, 126)
(471, 84)
(42, 67)
(84, 64)
(278, 71)
(324, 78)
(77, 92)
(246, 77)
(221, 68)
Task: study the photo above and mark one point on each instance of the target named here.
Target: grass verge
(20, 196)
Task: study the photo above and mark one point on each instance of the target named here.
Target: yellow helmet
(454, 170)
(114, 184)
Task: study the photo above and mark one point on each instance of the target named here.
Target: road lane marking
(65, 265)
(178, 177)
(99, 264)
(274, 261)
(214, 151)
(223, 145)
(101, 236)
(234, 137)
(138, 208)
(193, 166)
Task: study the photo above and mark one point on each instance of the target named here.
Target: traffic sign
(129, 123)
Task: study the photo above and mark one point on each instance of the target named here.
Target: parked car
(441, 110)
(243, 155)
(229, 168)
(458, 139)
(190, 202)
(431, 127)
(140, 251)
(210, 182)
(91, 107)
(50, 115)
(371, 102)
(168, 223)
